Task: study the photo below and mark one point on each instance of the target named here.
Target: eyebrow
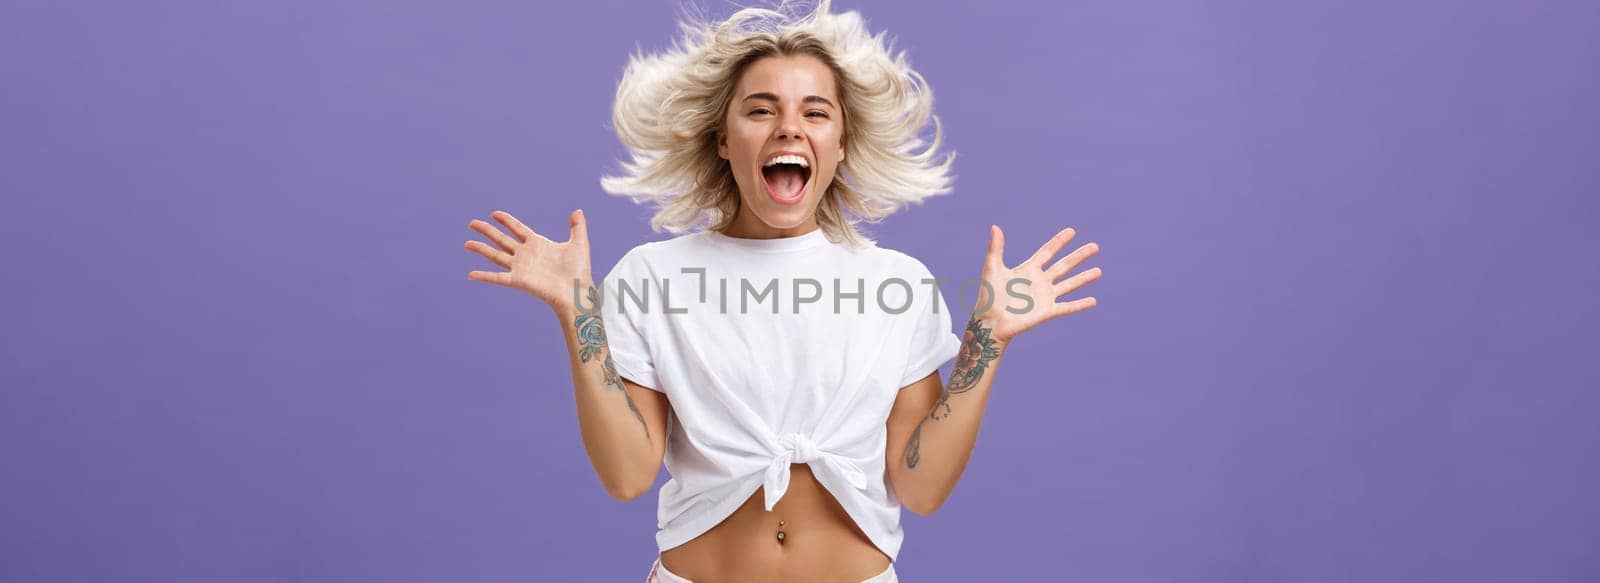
(774, 98)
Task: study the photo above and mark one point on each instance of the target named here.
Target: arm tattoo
(913, 449)
(592, 341)
(977, 351)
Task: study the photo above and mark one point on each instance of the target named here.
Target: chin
(787, 216)
(781, 216)
(783, 219)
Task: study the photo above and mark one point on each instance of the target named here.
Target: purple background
(1350, 279)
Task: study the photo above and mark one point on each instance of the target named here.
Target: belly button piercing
(780, 536)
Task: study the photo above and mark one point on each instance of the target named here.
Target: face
(784, 138)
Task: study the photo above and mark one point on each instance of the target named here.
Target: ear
(722, 144)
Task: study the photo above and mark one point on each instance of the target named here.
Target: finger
(1073, 307)
(1075, 282)
(495, 277)
(579, 227)
(496, 256)
(1065, 264)
(499, 237)
(1050, 247)
(997, 248)
(522, 231)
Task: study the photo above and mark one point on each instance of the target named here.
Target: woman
(795, 430)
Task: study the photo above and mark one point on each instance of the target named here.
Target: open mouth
(786, 178)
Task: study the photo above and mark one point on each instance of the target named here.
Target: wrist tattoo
(977, 351)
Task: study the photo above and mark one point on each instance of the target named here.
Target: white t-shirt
(772, 352)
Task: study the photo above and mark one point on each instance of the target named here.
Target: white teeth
(787, 159)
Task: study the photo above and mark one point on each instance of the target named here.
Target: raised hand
(1031, 287)
(534, 264)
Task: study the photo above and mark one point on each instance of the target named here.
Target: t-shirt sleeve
(932, 341)
(625, 322)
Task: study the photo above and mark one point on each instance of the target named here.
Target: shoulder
(677, 242)
(678, 246)
(895, 261)
(894, 264)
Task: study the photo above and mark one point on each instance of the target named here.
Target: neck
(746, 225)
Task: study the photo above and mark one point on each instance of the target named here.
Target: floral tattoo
(592, 342)
(977, 350)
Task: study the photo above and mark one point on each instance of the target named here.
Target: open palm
(532, 262)
(1034, 280)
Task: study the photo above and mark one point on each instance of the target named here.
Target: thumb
(997, 248)
(579, 227)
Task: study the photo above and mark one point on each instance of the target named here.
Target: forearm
(938, 450)
(615, 435)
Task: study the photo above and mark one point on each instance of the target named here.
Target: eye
(818, 113)
(760, 110)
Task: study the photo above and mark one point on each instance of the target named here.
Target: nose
(789, 130)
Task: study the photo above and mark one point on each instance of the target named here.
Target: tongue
(786, 180)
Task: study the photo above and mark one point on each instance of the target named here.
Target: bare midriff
(818, 541)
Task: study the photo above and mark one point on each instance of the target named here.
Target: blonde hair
(669, 107)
